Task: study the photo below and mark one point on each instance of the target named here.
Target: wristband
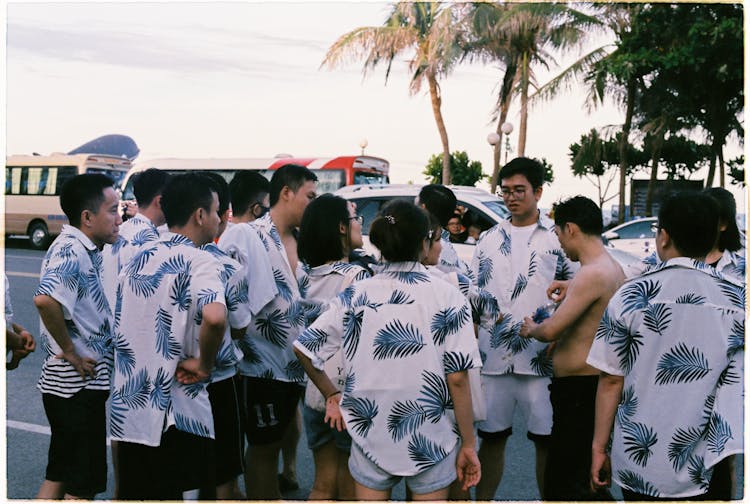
(332, 394)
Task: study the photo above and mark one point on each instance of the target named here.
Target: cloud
(193, 50)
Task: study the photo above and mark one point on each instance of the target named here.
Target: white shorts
(504, 392)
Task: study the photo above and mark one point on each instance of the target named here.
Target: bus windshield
(116, 175)
(361, 177)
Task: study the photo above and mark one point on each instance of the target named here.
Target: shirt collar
(76, 233)
(142, 218)
(543, 222)
(176, 239)
(688, 263)
(385, 267)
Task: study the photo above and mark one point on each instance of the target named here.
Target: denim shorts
(366, 473)
(319, 433)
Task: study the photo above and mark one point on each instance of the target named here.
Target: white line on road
(30, 427)
(22, 274)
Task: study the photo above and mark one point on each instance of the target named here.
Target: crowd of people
(217, 340)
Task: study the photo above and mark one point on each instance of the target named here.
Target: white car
(636, 237)
(482, 207)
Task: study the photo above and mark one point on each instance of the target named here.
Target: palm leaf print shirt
(238, 312)
(402, 331)
(158, 315)
(677, 336)
(518, 294)
(449, 260)
(267, 346)
(71, 275)
(134, 233)
(326, 282)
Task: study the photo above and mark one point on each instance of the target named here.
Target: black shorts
(230, 449)
(568, 469)
(270, 405)
(181, 462)
(78, 446)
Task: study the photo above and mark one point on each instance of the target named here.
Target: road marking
(22, 274)
(30, 427)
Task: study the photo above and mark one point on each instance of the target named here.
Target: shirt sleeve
(236, 296)
(60, 279)
(323, 338)
(603, 354)
(460, 351)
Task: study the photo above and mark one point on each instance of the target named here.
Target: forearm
(608, 395)
(459, 388)
(319, 378)
(211, 334)
(52, 316)
(544, 333)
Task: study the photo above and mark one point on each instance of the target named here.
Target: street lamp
(363, 145)
(507, 129)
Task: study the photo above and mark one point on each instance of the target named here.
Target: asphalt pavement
(27, 434)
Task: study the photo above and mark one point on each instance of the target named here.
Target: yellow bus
(32, 190)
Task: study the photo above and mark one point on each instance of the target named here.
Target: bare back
(590, 290)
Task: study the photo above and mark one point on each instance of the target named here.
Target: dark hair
(529, 168)
(221, 188)
(292, 176)
(729, 239)
(83, 192)
(183, 195)
(319, 238)
(148, 184)
(581, 211)
(247, 187)
(439, 201)
(399, 231)
(692, 221)
(435, 227)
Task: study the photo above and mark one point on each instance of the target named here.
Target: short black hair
(582, 211)
(399, 230)
(221, 188)
(247, 188)
(529, 168)
(729, 239)
(83, 192)
(439, 201)
(148, 184)
(319, 239)
(692, 221)
(183, 195)
(292, 176)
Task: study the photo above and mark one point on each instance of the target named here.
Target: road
(28, 432)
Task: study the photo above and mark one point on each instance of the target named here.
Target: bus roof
(65, 159)
(366, 162)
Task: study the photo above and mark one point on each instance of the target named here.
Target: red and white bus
(332, 173)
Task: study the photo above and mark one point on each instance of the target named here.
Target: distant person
(19, 342)
(76, 335)
(456, 229)
(578, 224)
(473, 231)
(515, 261)
(406, 400)
(441, 202)
(169, 326)
(671, 349)
(330, 230)
(273, 379)
(222, 391)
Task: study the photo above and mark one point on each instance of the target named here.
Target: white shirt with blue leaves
(71, 275)
(449, 260)
(402, 331)
(134, 233)
(160, 299)
(267, 346)
(238, 313)
(518, 295)
(326, 282)
(677, 336)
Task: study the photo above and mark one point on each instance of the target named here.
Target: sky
(244, 79)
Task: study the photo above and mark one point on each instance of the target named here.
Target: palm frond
(191, 425)
(657, 317)
(237, 294)
(734, 293)
(682, 446)
(504, 243)
(400, 297)
(273, 327)
(409, 277)
(352, 329)
(345, 296)
(453, 362)
(698, 473)
(303, 284)
(681, 365)
(638, 295)
(281, 286)
(397, 340)
(139, 260)
(628, 406)
(484, 270)
(362, 412)
(718, 434)
(541, 364)
(638, 439)
(166, 344)
(424, 452)
(405, 418)
(736, 340)
(519, 287)
(448, 321)
(636, 483)
(135, 392)
(690, 298)
(124, 356)
(729, 376)
(435, 397)
(295, 373)
(249, 351)
(192, 390)
(179, 292)
(313, 339)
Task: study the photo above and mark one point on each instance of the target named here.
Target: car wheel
(38, 236)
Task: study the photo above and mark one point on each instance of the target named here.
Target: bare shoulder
(602, 274)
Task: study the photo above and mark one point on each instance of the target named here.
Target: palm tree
(427, 34)
(520, 37)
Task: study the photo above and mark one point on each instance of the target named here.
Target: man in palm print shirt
(516, 261)
(670, 348)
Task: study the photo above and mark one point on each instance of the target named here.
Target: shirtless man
(578, 223)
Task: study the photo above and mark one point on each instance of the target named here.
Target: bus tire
(38, 236)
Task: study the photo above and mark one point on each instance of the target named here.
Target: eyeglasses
(655, 227)
(263, 210)
(357, 218)
(517, 192)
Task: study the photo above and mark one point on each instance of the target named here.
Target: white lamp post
(507, 129)
(363, 145)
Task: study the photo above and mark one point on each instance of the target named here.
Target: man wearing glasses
(515, 262)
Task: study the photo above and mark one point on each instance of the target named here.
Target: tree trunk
(721, 167)
(524, 106)
(623, 147)
(436, 102)
(655, 155)
(711, 170)
(505, 97)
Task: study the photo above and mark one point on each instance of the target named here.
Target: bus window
(329, 180)
(370, 178)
